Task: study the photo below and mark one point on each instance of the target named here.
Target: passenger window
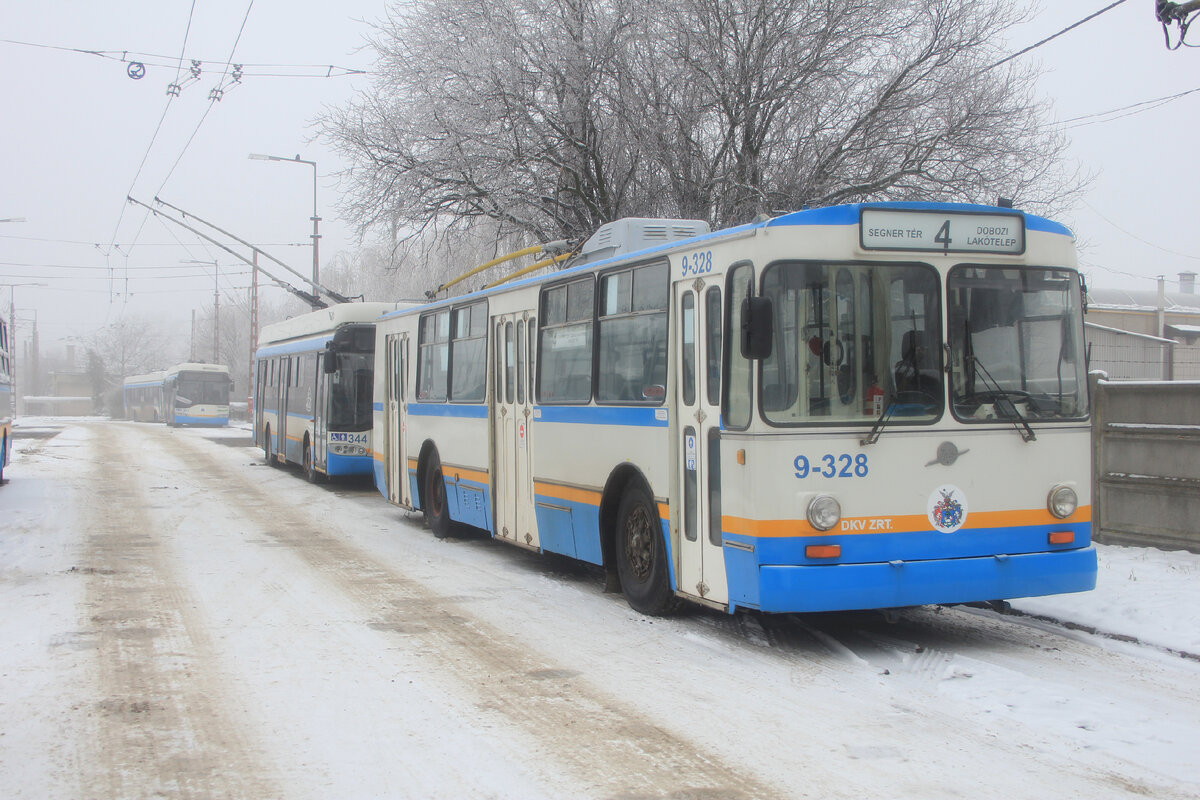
(433, 356)
(633, 335)
(565, 343)
(468, 354)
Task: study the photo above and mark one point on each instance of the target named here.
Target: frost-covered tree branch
(542, 119)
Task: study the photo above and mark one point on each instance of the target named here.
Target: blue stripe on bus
(641, 417)
(849, 215)
(184, 419)
(447, 410)
(310, 344)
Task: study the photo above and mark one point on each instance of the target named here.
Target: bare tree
(131, 345)
(549, 117)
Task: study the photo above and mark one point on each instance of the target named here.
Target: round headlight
(824, 512)
(1063, 501)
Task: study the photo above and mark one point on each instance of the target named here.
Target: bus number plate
(842, 465)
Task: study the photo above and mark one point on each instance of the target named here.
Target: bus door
(318, 407)
(395, 426)
(512, 410)
(697, 400)
(285, 380)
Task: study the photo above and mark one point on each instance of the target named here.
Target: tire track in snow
(608, 747)
(159, 726)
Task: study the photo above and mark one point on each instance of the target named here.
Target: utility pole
(253, 330)
(216, 315)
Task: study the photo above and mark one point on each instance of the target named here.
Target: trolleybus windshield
(350, 387)
(852, 343)
(201, 388)
(1016, 344)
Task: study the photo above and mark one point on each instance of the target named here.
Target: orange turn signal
(741, 457)
(823, 551)
(1062, 537)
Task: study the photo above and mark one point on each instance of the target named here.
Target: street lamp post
(316, 270)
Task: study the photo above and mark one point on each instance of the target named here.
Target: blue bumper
(837, 587)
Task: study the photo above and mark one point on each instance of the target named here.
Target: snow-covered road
(182, 621)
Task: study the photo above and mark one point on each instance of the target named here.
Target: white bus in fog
(860, 406)
(313, 390)
(185, 394)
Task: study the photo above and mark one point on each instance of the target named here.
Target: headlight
(1062, 501)
(824, 512)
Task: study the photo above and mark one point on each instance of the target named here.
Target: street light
(315, 219)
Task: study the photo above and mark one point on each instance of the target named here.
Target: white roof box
(632, 234)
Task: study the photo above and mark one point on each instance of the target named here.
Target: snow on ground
(1142, 593)
(1147, 594)
(869, 720)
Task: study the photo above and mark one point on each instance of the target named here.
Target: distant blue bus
(185, 394)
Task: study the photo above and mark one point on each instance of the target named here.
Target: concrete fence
(1146, 447)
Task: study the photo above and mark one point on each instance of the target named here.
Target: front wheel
(310, 469)
(642, 555)
(437, 509)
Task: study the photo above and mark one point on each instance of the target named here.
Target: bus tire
(310, 469)
(433, 500)
(267, 454)
(641, 554)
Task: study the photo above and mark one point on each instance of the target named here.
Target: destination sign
(939, 232)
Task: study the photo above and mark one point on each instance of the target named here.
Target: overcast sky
(80, 134)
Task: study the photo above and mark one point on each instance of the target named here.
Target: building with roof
(1146, 335)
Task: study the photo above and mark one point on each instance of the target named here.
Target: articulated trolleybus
(313, 390)
(185, 394)
(861, 406)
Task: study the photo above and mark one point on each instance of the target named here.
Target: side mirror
(331, 361)
(758, 324)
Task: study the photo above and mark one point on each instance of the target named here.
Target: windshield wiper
(1002, 400)
(880, 423)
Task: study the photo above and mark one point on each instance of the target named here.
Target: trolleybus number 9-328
(843, 465)
(698, 263)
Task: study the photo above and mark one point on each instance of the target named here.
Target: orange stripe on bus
(908, 523)
(589, 497)
(560, 492)
(464, 474)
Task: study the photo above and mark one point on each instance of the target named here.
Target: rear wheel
(310, 470)
(267, 454)
(642, 555)
(437, 510)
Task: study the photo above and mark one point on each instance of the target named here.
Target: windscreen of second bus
(350, 392)
(852, 341)
(201, 388)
